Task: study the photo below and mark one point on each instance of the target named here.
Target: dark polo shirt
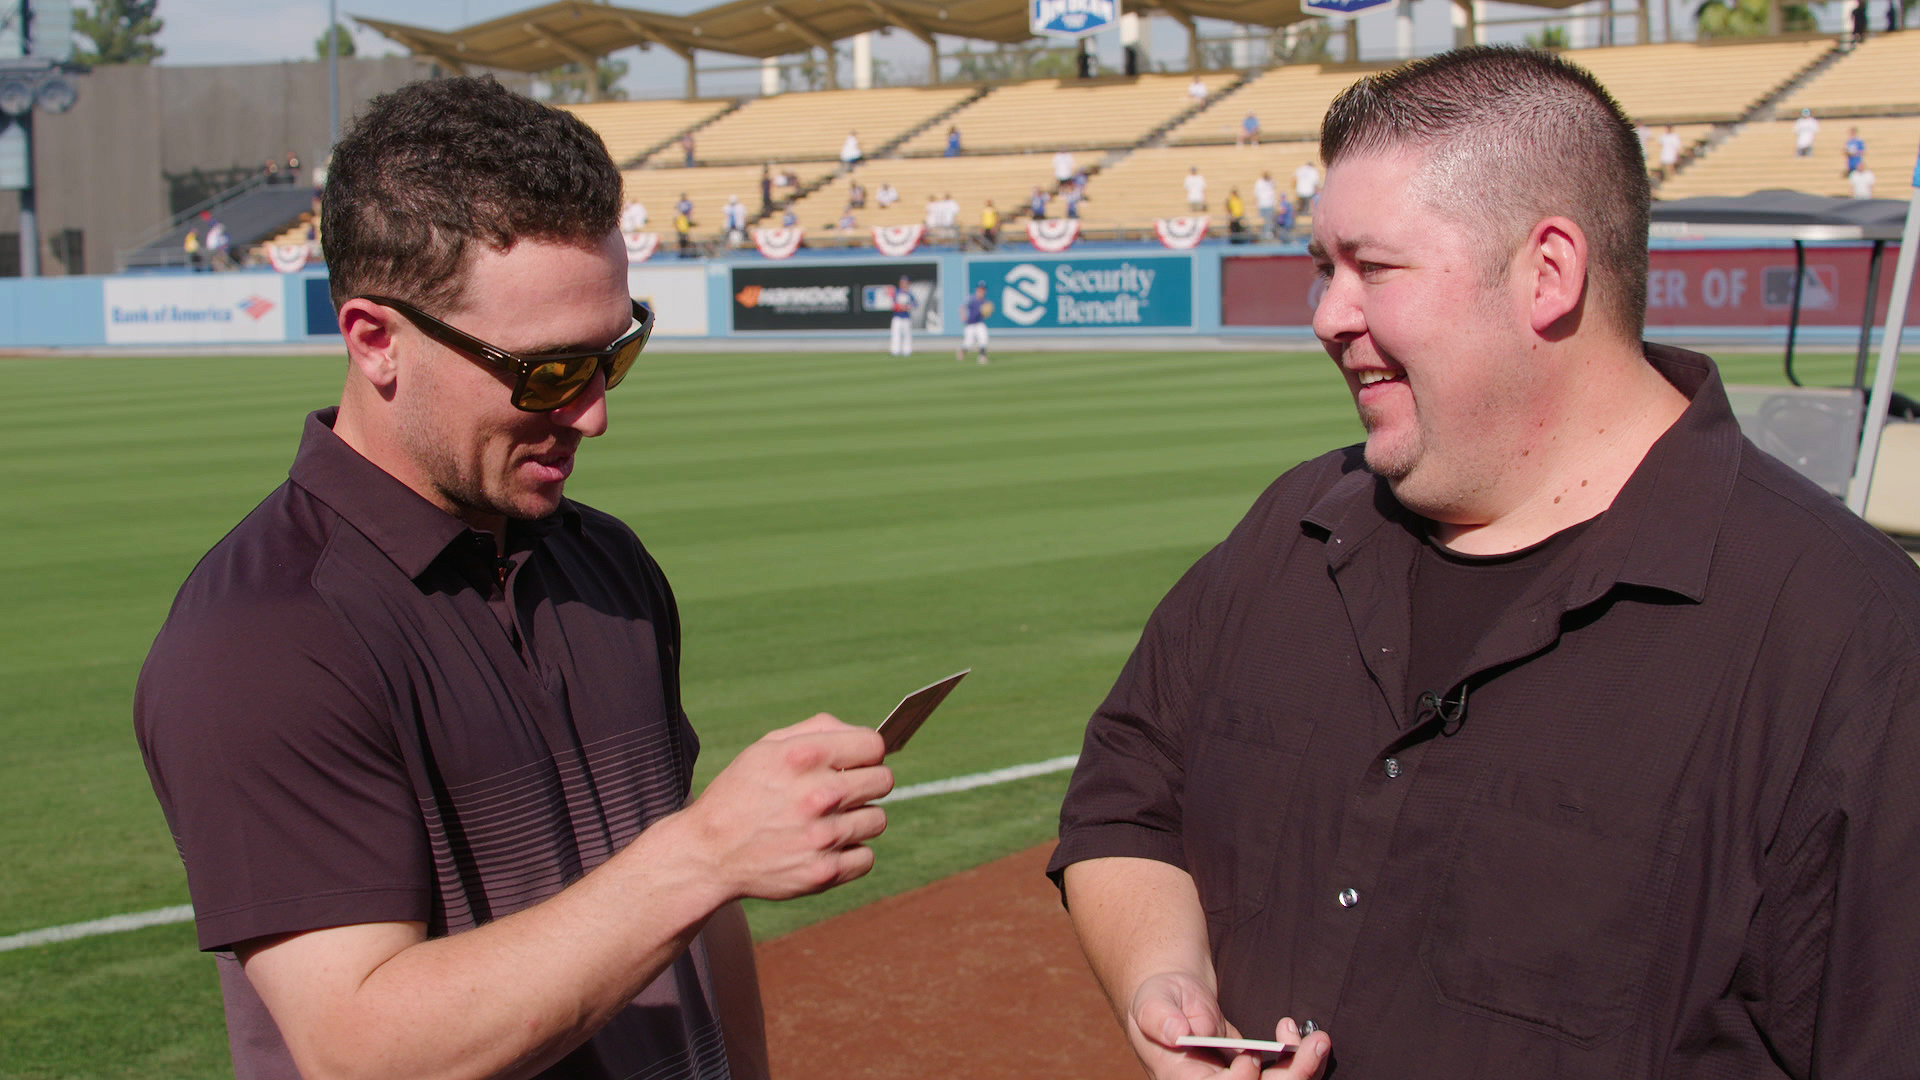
(1674, 832)
(356, 713)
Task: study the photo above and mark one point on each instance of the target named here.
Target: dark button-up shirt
(1673, 830)
(356, 712)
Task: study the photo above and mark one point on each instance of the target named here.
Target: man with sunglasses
(415, 723)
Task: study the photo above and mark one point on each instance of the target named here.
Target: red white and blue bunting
(1181, 233)
(778, 243)
(1053, 234)
(641, 245)
(897, 240)
(288, 258)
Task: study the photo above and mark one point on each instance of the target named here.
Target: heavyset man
(1556, 731)
(415, 723)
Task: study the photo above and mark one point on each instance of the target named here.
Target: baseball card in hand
(913, 710)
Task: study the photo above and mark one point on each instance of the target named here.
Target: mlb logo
(1071, 18)
(1819, 288)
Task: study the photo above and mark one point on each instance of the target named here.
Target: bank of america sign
(1071, 18)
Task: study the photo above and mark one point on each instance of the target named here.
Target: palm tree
(1750, 18)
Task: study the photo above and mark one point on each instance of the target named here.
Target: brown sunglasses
(540, 383)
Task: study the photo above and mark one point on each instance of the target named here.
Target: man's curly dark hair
(435, 167)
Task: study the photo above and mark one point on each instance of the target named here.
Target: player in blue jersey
(973, 334)
(902, 343)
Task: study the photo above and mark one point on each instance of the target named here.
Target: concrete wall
(139, 135)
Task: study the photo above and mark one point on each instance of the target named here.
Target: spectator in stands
(1669, 151)
(271, 170)
(886, 196)
(683, 228)
(1893, 15)
(1236, 215)
(766, 188)
(684, 206)
(1855, 149)
(950, 215)
(1062, 167)
(1306, 184)
(953, 143)
(686, 149)
(190, 244)
(1282, 223)
(856, 196)
(1196, 186)
(1265, 198)
(932, 218)
(1197, 89)
(1859, 21)
(293, 167)
(1249, 133)
(1037, 204)
(733, 218)
(848, 223)
(633, 217)
(1861, 179)
(788, 219)
(989, 226)
(1076, 192)
(850, 150)
(1804, 130)
(218, 245)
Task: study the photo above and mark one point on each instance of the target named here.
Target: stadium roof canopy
(578, 32)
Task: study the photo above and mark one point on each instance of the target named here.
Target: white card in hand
(1252, 1046)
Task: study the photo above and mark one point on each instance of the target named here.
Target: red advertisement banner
(1706, 287)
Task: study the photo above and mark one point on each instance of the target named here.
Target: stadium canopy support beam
(589, 65)
(647, 33)
(812, 37)
(425, 48)
(1185, 19)
(894, 17)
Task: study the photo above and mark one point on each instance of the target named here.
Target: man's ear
(368, 330)
(1555, 257)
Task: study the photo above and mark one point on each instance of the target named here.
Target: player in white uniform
(902, 341)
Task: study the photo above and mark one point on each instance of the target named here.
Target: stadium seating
(631, 128)
(1761, 157)
(811, 126)
(1147, 183)
(1682, 82)
(1045, 115)
(1288, 101)
(1876, 77)
(1007, 179)
(707, 186)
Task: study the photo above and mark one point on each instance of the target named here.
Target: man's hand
(1167, 1006)
(790, 815)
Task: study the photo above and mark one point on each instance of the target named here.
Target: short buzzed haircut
(1514, 136)
(435, 167)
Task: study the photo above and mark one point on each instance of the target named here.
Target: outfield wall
(1740, 291)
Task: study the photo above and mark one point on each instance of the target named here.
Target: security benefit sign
(845, 296)
(1071, 18)
(193, 309)
(1106, 294)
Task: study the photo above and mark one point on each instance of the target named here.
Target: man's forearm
(504, 1000)
(1137, 918)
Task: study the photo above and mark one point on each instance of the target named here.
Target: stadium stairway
(254, 215)
(1158, 136)
(1761, 110)
(641, 158)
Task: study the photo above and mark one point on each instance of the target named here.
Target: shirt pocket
(1241, 768)
(1550, 906)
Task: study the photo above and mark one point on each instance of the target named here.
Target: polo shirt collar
(1662, 526)
(405, 527)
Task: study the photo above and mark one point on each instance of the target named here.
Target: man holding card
(1556, 731)
(416, 724)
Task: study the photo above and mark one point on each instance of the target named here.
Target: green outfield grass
(840, 529)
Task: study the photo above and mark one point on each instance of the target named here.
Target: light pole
(333, 75)
(32, 78)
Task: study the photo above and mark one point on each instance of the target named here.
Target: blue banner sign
(1071, 18)
(1338, 7)
(1100, 294)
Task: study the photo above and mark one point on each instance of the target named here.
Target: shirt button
(1349, 897)
(1392, 765)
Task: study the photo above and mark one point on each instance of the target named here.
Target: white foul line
(114, 924)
